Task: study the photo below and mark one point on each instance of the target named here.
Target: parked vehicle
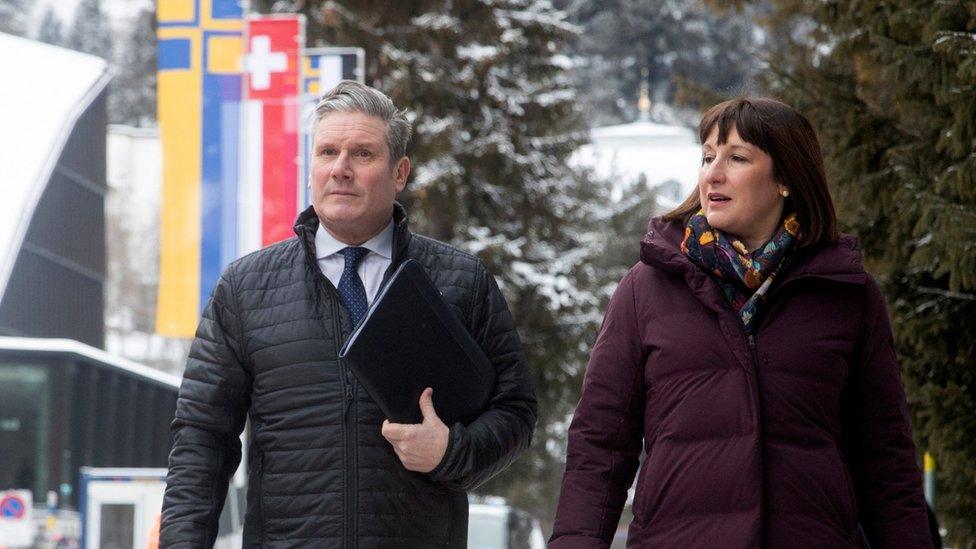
(501, 526)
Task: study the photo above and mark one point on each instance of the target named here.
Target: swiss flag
(270, 191)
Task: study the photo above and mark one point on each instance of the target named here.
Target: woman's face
(738, 193)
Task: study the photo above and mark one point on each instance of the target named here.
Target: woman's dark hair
(790, 140)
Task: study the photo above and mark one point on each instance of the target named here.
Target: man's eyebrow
(331, 142)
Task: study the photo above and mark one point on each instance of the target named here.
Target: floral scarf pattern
(743, 277)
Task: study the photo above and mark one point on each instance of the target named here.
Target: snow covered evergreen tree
(676, 41)
(13, 16)
(132, 99)
(90, 30)
(50, 29)
(495, 119)
(890, 86)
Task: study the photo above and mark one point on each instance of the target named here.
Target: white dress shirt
(371, 267)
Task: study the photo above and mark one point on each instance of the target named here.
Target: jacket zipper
(754, 356)
(349, 407)
(751, 339)
(348, 435)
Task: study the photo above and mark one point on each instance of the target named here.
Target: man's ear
(400, 173)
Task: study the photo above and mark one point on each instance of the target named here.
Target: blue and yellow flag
(199, 92)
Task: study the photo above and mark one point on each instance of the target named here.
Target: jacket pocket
(847, 499)
(642, 504)
(254, 509)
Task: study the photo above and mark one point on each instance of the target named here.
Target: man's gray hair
(351, 96)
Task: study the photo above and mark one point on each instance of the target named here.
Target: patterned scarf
(743, 277)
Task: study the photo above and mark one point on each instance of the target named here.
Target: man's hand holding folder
(419, 446)
(409, 342)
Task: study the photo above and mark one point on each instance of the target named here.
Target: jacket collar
(308, 223)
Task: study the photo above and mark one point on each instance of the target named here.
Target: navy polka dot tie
(351, 288)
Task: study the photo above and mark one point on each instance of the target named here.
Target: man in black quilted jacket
(325, 468)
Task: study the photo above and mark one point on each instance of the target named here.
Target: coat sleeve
(491, 442)
(606, 433)
(210, 413)
(887, 480)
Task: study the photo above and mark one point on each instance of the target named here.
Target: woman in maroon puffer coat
(750, 356)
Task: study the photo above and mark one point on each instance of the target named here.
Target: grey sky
(119, 10)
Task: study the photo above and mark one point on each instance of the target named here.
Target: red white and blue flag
(230, 89)
(271, 192)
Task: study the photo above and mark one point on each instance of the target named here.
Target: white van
(501, 526)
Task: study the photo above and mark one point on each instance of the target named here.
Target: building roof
(667, 156)
(45, 90)
(643, 130)
(72, 347)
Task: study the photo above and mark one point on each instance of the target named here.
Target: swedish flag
(199, 92)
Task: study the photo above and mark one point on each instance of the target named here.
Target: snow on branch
(436, 22)
(477, 52)
(433, 170)
(947, 294)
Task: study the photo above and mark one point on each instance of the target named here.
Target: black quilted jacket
(320, 473)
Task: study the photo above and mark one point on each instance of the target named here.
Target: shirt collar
(326, 244)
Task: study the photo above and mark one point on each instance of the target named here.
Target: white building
(668, 157)
(134, 162)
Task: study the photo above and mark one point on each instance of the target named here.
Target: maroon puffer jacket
(790, 442)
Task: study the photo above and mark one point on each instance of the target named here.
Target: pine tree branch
(946, 293)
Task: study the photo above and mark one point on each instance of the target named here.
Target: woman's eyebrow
(744, 146)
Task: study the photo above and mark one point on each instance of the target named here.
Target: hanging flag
(322, 69)
(271, 191)
(199, 84)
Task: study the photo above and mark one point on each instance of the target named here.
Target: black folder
(410, 340)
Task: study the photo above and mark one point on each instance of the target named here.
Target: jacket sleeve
(210, 413)
(606, 433)
(491, 442)
(887, 480)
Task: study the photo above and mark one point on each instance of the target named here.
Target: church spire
(644, 101)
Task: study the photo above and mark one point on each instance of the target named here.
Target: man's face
(352, 180)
